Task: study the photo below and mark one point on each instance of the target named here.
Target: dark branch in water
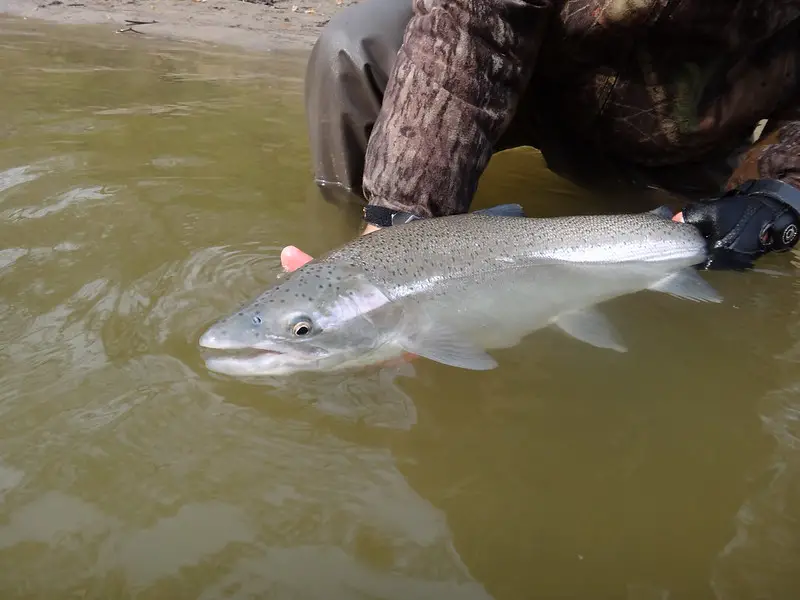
(131, 23)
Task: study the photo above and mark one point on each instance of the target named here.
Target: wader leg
(346, 77)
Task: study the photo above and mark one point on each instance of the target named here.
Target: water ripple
(209, 283)
(17, 176)
(73, 197)
(761, 559)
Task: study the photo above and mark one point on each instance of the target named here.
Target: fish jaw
(265, 363)
(264, 358)
(242, 359)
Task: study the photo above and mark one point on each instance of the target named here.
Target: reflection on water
(147, 189)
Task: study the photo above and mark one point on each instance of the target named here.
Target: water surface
(146, 189)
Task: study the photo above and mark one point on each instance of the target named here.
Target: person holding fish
(407, 100)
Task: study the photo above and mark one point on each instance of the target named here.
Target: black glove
(758, 217)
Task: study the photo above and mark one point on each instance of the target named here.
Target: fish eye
(301, 327)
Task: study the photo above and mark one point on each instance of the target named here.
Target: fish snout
(217, 340)
(208, 340)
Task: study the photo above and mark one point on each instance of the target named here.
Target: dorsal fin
(502, 210)
(663, 211)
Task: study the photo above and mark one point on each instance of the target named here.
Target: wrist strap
(774, 189)
(380, 216)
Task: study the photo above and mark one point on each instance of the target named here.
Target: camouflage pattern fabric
(647, 85)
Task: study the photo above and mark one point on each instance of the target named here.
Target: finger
(293, 258)
(405, 357)
(678, 217)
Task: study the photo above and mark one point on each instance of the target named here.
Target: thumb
(292, 258)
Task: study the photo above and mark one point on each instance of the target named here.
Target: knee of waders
(359, 45)
(337, 54)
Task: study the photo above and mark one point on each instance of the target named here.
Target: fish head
(320, 318)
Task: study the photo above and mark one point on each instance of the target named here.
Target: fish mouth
(227, 357)
(249, 362)
(239, 353)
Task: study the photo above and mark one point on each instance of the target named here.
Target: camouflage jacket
(649, 83)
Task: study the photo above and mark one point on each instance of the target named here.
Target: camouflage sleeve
(776, 154)
(452, 92)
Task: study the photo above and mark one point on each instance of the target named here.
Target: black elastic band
(772, 188)
(380, 216)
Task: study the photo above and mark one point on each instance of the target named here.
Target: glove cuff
(382, 216)
(774, 189)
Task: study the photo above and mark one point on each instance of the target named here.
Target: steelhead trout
(451, 288)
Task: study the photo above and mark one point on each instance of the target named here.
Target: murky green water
(147, 188)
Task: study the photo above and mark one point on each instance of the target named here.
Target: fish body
(451, 288)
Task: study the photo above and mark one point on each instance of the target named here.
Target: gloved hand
(747, 222)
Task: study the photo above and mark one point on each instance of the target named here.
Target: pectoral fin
(687, 284)
(590, 326)
(446, 347)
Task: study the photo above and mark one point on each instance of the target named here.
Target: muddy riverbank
(255, 24)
